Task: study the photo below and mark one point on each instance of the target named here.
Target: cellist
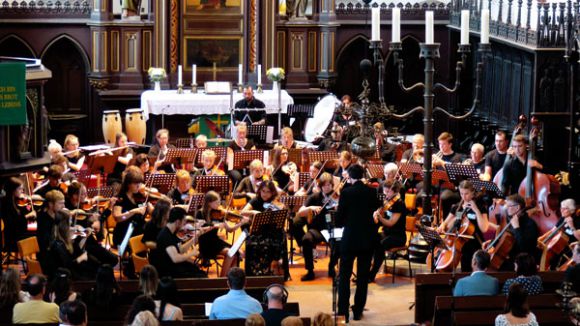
(474, 210)
(569, 224)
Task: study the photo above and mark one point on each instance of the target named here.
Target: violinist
(312, 214)
(159, 151)
(54, 176)
(46, 221)
(201, 141)
(75, 158)
(335, 142)
(14, 217)
(240, 143)
(393, 217)
(344, 162)
(127, 209)
(248, 187)
(267, 194)
(515, 172)
(494, 159)
(171, 257)
(209, 165)
(142, 162)
(183, 190)
(569, 224)
(311, 186)
(282, 169)
(156, 223)
(522, 227)
(474, 211)
(125, 156)
(214, 218)
(286, 139)
(78, 205)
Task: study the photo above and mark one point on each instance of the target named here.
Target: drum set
(135, 126)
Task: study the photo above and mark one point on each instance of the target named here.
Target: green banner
(12, 93)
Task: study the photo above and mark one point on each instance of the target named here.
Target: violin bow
(317, 176)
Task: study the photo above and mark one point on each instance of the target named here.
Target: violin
(273, 207)
(229, 215)
(81, 232)
(187, 232)
(34, 201)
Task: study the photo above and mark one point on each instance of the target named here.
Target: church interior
(457, 72)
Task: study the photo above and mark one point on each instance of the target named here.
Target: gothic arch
(13, 45)
(76, 44)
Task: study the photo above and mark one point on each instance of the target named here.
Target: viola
(34, 201)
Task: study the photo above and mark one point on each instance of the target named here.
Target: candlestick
(396, 33)
(214, 70)
(193, 74)
(240, 78)
(485, 26)
(179, 72)
(429, 27)
(464, 27)
(376, 24)
(259, 74)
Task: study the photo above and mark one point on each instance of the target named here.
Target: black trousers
(309, 242)
(386, 243)
(297, 229)
(363, 267)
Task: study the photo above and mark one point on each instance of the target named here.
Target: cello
(552, 245)
(500, 247)
(540, 190)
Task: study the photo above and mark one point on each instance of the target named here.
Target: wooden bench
(482, 310)
(430, 286)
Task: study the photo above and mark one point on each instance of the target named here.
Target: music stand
(375, 170)
(217, 183)
(293, 203)
(303, 177)
(488, 187)
(195, 203)
(322, 156)
(185, 142)
(243, 158)
(181, 155)
(83, 176)
(105, 192)
(162, 181)
(460, 172)
(105, 164)
(433, 239)
(259, 133)
(268, 220)
(409, 169)
(220, 152)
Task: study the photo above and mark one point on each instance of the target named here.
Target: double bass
(540, 190)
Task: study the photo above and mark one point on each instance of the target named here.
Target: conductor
(355, 212)
(250, 117)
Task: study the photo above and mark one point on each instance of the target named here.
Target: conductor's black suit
(355, 212)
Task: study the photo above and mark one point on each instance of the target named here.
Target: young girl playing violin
(209, 165)
(248, 187)
(393, 217)
(282, 169)
(14, 217)
(156, 223)
(214, 218)
(183, 190)
(265, 199)
(476, 214)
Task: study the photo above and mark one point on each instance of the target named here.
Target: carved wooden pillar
(328, 25)
(100, 37)
(161, 40)
(102, 10)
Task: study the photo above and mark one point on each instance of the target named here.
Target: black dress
(210, 244)
(15, 225)
(121, 227)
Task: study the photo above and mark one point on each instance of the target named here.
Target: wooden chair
(402, 252)
(138, 247)
(27, 249)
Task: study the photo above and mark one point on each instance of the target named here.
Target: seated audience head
(145, 318)
(517, 301)
(255, 320)
(356, 172)
(167, 293)
(141, 303)
(201, 141)
(275, 296)
(525, 265)
(36, 285)
(292, 321)
(73, 313)
(236, 278)
(480, 260)
(9, 288)
(60, 286)
(322, 319)
(148, 280)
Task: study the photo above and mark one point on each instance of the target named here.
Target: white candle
(179, 71)
(464, 27)
(259, 74)
(240, 81)
(376, 24)
(485, 26)
(396, 37)
(194, 74)
(429, 27)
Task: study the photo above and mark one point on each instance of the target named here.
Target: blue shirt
(234, 304)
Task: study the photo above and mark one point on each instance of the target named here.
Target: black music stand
(303, 177)
(104, 164)
(217, 183)
(375, 170)
(271, 223)
(295, 155)
(433, 239)
(220, 152)
(83, 176)
(181, 155)
(258, 133)
(300, 112)
(322, 156)
(195, 203)
(409, 169)
(439, 179)
(488, 187)
(247, 119)
(162, 181)
(243, 158)
(106, 192)
(293, 203)
(460, 172)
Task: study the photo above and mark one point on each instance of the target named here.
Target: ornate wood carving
(252, 36)
(173, 55)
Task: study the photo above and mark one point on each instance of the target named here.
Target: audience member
(10, 293)
(478, 283)
(292, 321)
(236, 303)
(141, 303)
(105, 294)
(322, 319)
(573, 272)
(73, 313)
(255, 320)
(167, 307)
(517, 311)
(35, 311)
(275, 297)
(148, 280)
(59, 289)
(526, 275)
(145, 318)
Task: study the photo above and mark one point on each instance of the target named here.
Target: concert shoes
(308, 276)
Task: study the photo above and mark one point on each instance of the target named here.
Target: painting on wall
(223, 7)
(204, 51)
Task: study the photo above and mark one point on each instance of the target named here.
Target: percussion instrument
(111, 125)
(323, 112)
(135, 126)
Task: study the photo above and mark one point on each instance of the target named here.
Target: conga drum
(111, 125)
(135, 126)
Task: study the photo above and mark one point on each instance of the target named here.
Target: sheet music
(125, 242)
(208, 308)
(269, 135)
(236, 246)
(337, 234)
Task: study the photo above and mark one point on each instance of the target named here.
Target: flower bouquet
(275, 74)
(156, 75)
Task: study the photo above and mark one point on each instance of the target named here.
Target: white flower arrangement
(275, 74)
(156, 74)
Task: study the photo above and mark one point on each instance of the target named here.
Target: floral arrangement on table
(156, 74)
(275, 74)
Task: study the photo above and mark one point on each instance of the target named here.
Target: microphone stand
(331, 244)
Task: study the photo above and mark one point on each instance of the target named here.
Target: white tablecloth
(169, 102)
